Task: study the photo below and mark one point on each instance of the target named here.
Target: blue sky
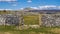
(17, 4)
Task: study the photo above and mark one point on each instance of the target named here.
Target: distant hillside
(45, 11)
(25, 10)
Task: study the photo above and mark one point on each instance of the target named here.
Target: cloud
(5, 9)
(8, 0)
(14, 4)
(45, 7)
(21, 8)
(29, 1)
(48, 7)
(34, 7)
(58, 7)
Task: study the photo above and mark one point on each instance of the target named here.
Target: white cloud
(14, 4)
(34, 7)
(8, 0)
(48, 6)
(5, 9)
(1, 9)
(29, 1)
(8, 9)
(45, 7)
(21, 8)
(58, 7)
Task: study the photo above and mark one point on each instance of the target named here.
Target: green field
(41, 30)
(31, 19)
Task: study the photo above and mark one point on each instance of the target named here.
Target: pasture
(41, 30)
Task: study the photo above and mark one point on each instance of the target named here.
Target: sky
(20, 4)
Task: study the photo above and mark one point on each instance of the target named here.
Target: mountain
(49, 10)
(46, 7)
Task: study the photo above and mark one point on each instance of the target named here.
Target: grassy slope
(41, 30)
(31, 19)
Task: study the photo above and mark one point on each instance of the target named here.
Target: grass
(6, 28)
(31, 19)
(41, 30)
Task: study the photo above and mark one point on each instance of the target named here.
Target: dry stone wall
(9, 19)
(50, 20)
